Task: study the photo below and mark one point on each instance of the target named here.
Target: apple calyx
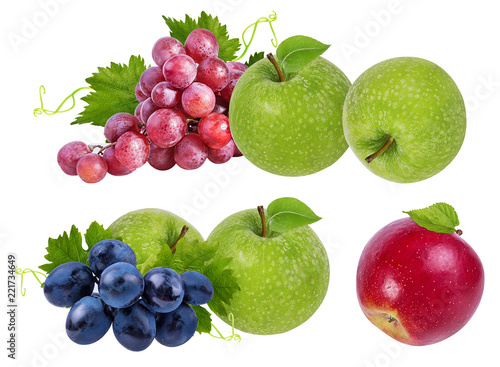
(387, 144)
(262, 215)
(276, 65)
(181, 235)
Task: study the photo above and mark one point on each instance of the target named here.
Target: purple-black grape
(88, 320)
(68, 283)
(163, 289)
(198, 289)
(134, 327)
(121, 285)
(107, 252)
(177, 327)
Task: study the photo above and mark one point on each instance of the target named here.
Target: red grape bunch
(181, 119)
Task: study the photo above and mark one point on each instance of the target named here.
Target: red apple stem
(387, 144)
(263, 219)
(275, 63)
(181, 235)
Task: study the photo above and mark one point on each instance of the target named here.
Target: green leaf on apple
(180, 29)
(297, 51)
(192, 256)
(439, 217)
(289, 213)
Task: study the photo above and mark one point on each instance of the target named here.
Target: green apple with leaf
(405, 119)
(279, 263)
(286, 112)
(150, 232)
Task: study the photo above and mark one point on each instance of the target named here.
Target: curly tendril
(21, 272)
(233, 336)
(41, 110)
(269, 20)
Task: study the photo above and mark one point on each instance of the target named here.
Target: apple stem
(181, 235)
(263, 219)
(275, 63)
(371, 157)
(391, 319)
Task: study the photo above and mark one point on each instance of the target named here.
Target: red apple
(418, 286)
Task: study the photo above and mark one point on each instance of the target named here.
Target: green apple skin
(283, 278)
(419, 105)
(148, 230)
(290, 128)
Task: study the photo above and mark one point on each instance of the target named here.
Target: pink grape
(149, 78)
(166, 127)
(228, 90)
(201, 44)
(237, 151)
(165, 48)
(214, 73)
(132, 149)
(165, 96)
(148, 107)
(214, 130)
(92, 168)
(161, 159)
(236, 66)
(191, 152)
(179, 71)
(69, 154)
(115, 168)
(137, 112)
(221, 105)
(198, 100)
(118, 124)
(222, 155)
(138, 93)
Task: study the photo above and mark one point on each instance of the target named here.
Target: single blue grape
(88, 320)
(177, 327)
(134, 327)
(121, 285)
(107, 252)
(68, 283)
(163, 289)
(198, 289)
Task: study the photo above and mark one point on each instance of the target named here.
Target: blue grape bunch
(140, 308)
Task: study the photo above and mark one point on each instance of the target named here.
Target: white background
(71, 40)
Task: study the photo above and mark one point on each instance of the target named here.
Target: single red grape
(201, 44)
(214, 73)
(179, 71)
(91, 168)
(214, 130)
(198, 100)
(166, 127)
(161, 158)
(115, 168)
(165, 48)
(222, 155)
(191, 152)
(165, 96)
(132, 149)
(118, 124)
(69, 154)
(147, 108)
(149, 78)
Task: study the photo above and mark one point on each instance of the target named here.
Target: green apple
(283, 277)
(291, 127)
(404, 118)
(147, 231)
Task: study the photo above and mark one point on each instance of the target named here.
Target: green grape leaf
(254, 58)
(192, 255)
(96, 233)
(204, 319)
(180, 29)
(289, 213)
(224, 282)
(439, 217)
(297, 51)
(65, 248)
(113, 92)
